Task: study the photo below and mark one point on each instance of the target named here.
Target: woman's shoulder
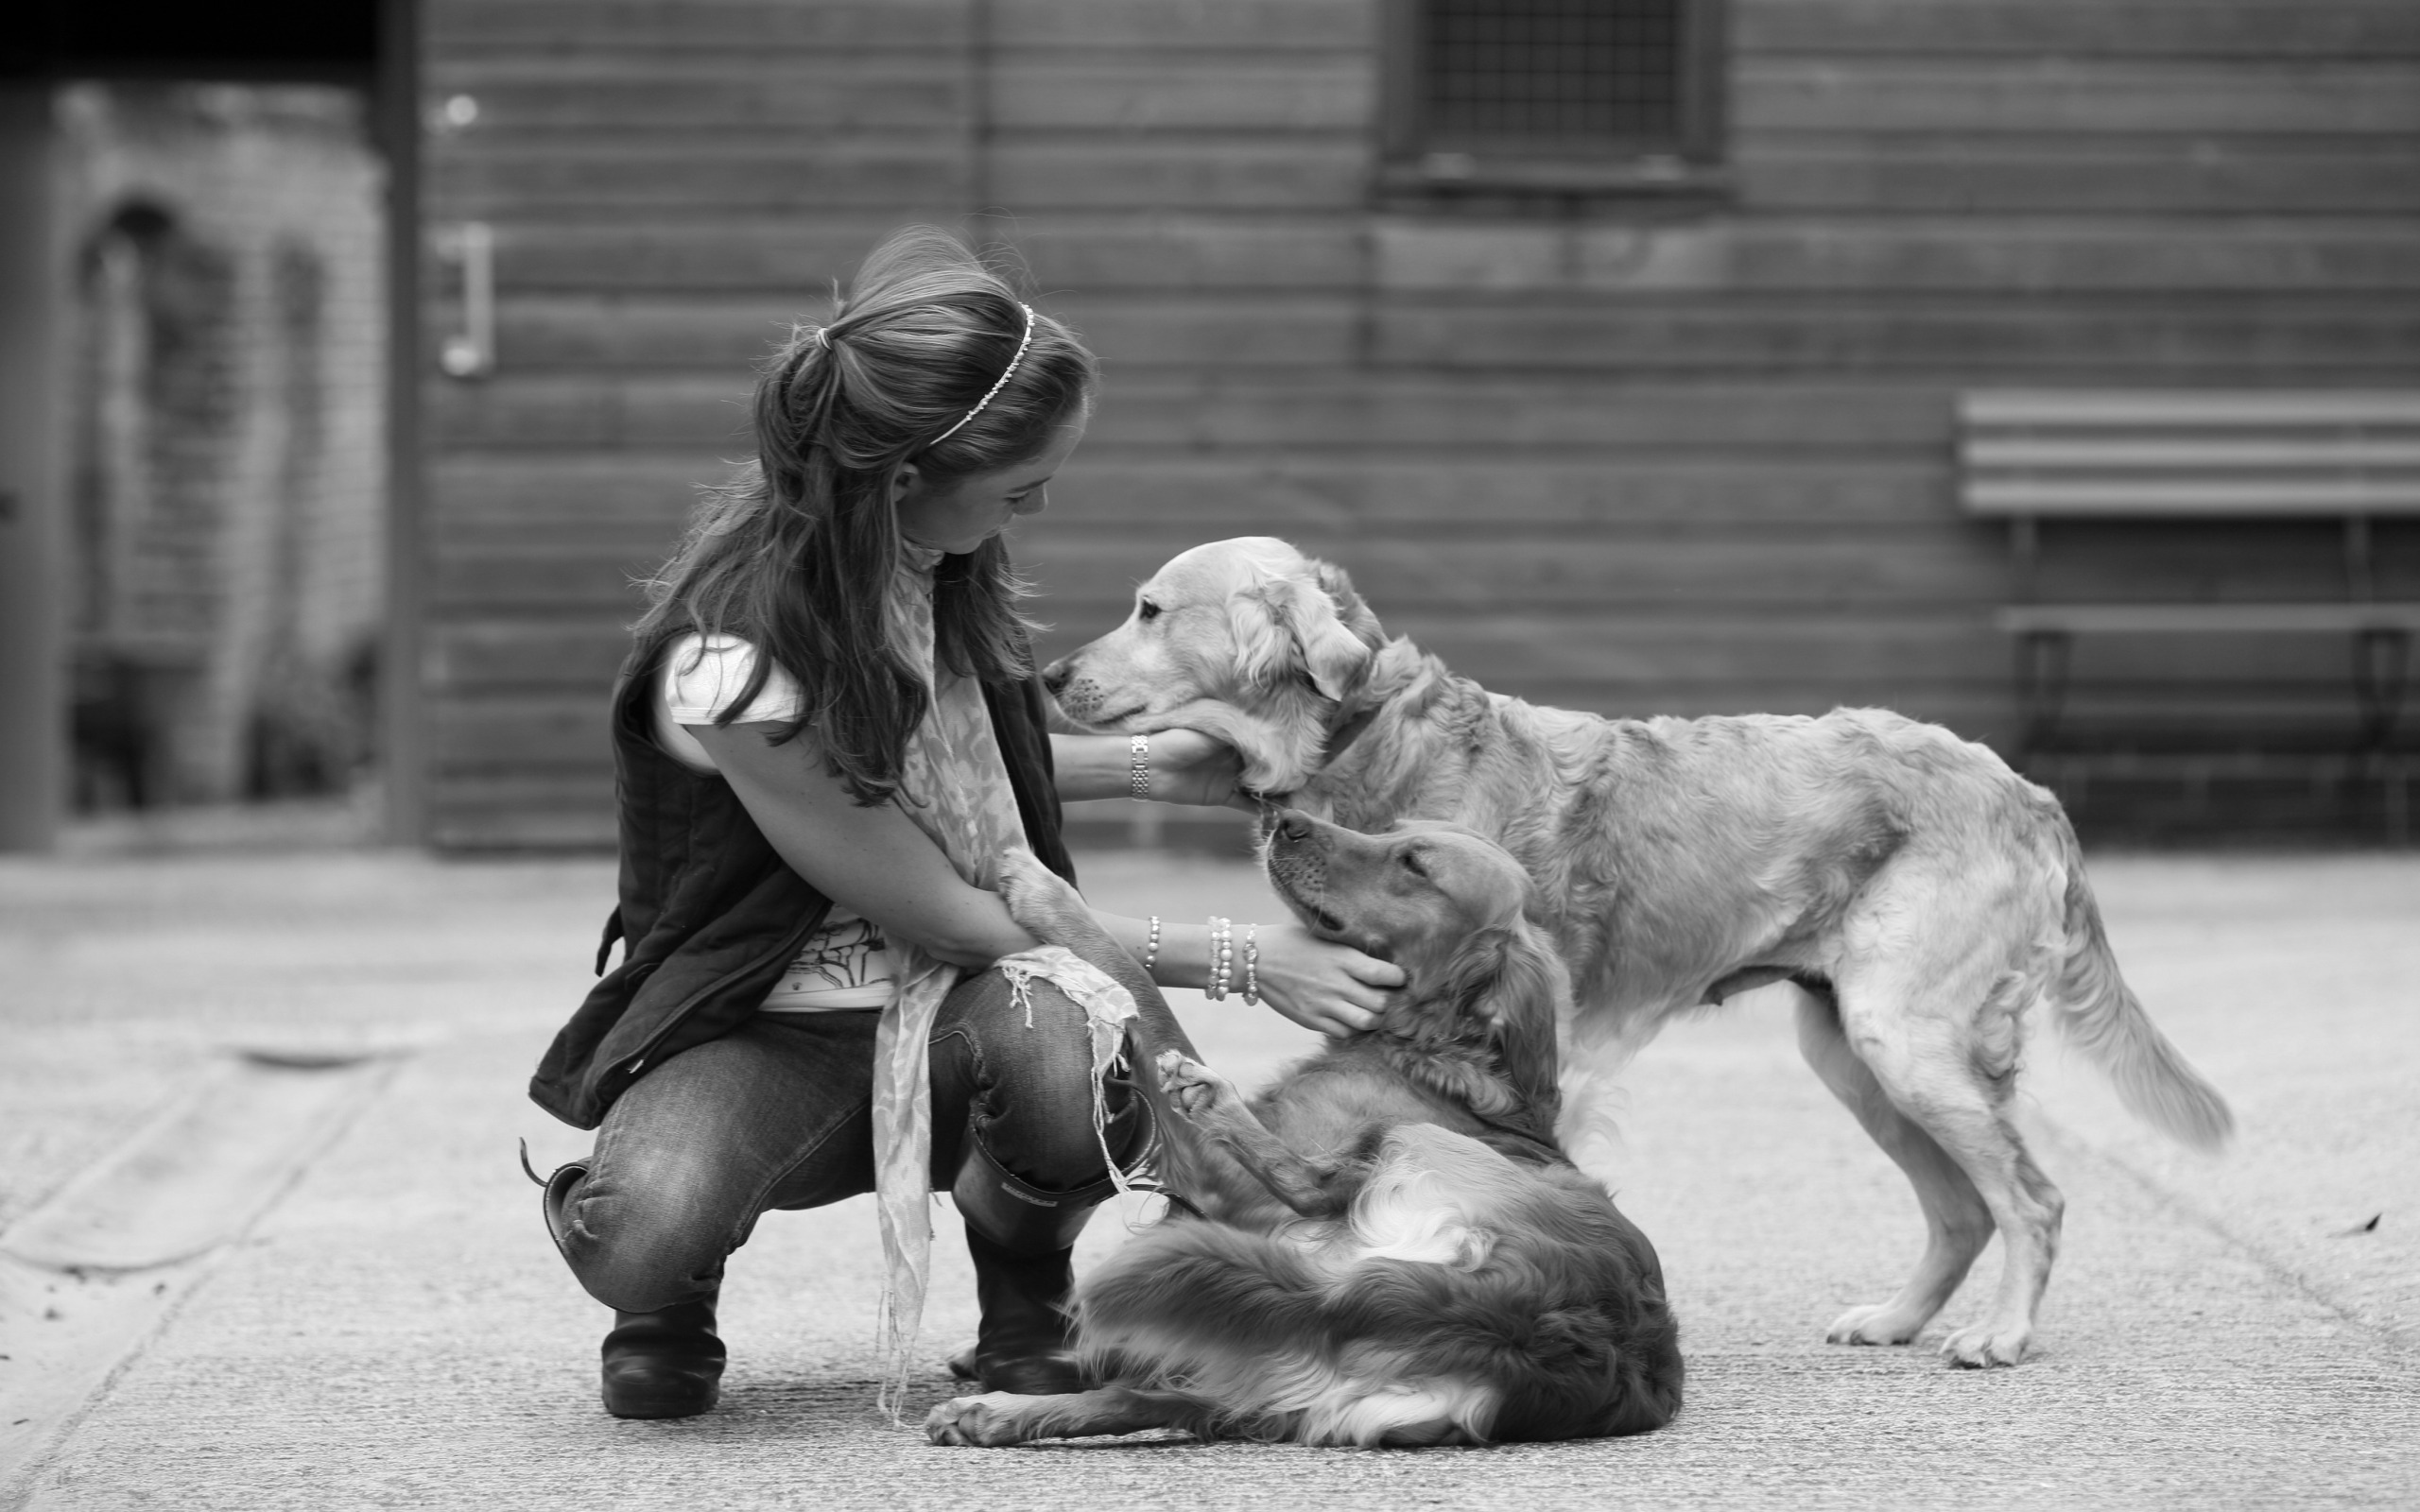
(704, 672)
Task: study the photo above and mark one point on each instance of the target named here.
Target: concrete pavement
(394, 1332)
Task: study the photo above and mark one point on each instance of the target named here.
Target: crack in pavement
(100, 1267)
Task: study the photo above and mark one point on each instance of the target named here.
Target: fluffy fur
(1385, 1246)
(1922, 895)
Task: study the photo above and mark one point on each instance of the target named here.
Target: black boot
(1023, 1342)
(665, 1364)
(1023, 1241)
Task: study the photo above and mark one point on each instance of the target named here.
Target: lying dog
(1921, 893)
(1386, 1245)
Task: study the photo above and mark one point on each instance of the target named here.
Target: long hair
(796, 553)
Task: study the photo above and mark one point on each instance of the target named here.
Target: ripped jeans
(778, 1113)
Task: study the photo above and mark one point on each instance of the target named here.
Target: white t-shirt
(844, 964)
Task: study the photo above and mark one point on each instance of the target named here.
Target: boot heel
(666, 1364)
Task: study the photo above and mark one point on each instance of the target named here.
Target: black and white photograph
(1202, 754)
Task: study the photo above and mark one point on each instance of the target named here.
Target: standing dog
(1921, 893)
(1386, 1245)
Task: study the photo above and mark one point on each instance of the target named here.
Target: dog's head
(1446, 905)
(1247, 640)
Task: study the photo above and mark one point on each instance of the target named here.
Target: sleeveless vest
(709, 912)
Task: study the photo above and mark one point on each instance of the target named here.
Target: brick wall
(228, 415)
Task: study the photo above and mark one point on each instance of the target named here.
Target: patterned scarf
(954, 784)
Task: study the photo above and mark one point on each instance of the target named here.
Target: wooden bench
(2027, 456)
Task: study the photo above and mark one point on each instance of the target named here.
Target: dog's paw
(1193, 1089)
(1987, 1346)
(988, 1421)
(1875, 1323)
(1038, 897)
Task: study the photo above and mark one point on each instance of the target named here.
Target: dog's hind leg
(1942, 1045)
(1957, 1222)
(1001, 1417)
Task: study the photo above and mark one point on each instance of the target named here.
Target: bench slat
(2197, 498)
(2207, 619)
(2187, 409)
(2192, 456)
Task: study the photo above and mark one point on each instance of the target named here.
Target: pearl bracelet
(1252, 965)
(1151, 950)
(1139, 766)
(1222, 958)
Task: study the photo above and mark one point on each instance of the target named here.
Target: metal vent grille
(1583, 72)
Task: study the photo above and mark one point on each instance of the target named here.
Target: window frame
(1410, 164)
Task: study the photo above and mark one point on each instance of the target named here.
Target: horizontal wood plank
(538, 496)
(1414, 411)
(648, 29)
(2210, 173)
(1273, 94)
(1997, 254)
(889, 171)
(531, 103)
(510, 410)
(2253, 30)
(2305, 338)
(800, 256)
(1472, 574)
(2050, 93)
(1180, 26)
(586, 333)
(1042, 173)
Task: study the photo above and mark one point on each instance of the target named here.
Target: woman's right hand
(1319, 984)
(1188, 767)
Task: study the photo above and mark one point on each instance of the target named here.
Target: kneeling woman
(826, 733)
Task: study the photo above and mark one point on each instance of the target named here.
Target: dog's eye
(1411, 863)
(1146, 610)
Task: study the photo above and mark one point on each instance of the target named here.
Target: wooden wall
(1624, 460)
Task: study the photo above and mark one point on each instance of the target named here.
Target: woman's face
(959, 516)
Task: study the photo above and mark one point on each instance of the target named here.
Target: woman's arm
(1333, 988)
(876, 863)
(872, 861)
(1186, 765)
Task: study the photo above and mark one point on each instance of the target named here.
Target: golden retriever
(1385, 1246)
(1922, 894)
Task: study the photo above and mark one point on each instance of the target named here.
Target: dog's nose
(1293, 826)
(1055, 675)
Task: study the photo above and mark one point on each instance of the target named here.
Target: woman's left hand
(1320, 984)
(1188, 767)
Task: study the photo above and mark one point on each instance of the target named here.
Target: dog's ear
(1351, 612)
(1285, 626)
(1511, 979)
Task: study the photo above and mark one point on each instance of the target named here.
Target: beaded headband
(1022, 342)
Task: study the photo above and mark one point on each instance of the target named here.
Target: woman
(826, 732)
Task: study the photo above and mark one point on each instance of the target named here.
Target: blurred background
(2049, 369)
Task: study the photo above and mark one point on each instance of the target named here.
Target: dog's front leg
(1218, 1114)
(1001, 1417)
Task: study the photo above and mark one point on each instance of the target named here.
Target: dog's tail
(2099, 1015)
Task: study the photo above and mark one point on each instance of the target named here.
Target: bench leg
(2381, 662)
(2381, 667)
(2041, 685)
